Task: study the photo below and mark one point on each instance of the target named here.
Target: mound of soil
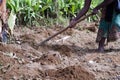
(48, 59)
(70, 73)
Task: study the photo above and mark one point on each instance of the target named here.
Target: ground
(71, 55)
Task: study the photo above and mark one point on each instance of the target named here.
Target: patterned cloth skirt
(109, 30)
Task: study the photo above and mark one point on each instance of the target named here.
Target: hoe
(43, 42)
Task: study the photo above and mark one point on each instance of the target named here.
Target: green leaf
(11, 21)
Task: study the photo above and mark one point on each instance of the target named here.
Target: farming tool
(43, 42)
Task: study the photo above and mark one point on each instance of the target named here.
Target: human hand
(95, 11)
(72, 23)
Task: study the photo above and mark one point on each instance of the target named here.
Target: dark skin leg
(101, 45)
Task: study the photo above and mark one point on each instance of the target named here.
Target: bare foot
(100, 49)
(4, 36)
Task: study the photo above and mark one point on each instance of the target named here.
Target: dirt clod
(71, 73)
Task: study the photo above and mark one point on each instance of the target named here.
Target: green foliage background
(34, 12)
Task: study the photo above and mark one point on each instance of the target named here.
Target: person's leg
(115, 27)
(101, 45)
(102, 35)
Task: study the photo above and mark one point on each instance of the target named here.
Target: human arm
(81, 13)
(102, 5)
(83, 10)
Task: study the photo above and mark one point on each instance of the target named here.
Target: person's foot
(4, 36)
(101, 45)
(5, 33)
(100, 49)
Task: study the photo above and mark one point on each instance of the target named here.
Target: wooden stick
(43, 42)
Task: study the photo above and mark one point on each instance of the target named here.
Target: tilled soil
(71, 55)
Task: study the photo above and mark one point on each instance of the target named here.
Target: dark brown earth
(71, 55)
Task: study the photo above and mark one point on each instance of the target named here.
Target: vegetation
(32, 12)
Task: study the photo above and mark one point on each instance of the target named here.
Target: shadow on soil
(68, 49)
(73, 49)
